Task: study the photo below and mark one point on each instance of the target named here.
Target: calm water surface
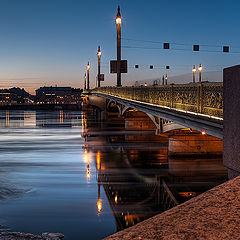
(66, 172)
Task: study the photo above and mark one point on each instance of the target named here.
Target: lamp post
(99, 53)
(200, 72)
(194, 73)
(166, 80)
(85, 82)
(119, 22)
(88, 67)
(163, 80)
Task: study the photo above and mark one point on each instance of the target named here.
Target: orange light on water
(61, 117)
(86, 156)
(116, 198)
(88, 172)
(203, 133)
(99, 205)
(98, 160)
(7, 119)
(188, 194)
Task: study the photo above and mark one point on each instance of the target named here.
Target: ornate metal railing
(204, 98)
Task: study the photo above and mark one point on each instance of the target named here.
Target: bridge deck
(212, 124)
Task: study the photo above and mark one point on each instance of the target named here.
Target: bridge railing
(204, 98)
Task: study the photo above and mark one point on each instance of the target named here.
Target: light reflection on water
(59, 172)
(45, 158)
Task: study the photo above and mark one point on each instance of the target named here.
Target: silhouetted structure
(6, 97)
(58, 95)
(15, 95)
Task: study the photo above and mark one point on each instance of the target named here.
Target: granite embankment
(28, 236)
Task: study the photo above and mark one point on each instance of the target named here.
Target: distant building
(58, 95)
(23, 96)
(7, 97)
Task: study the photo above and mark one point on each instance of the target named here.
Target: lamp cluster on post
(88, 68)
(200, 72)
(85, 82)
(99, 53)
(119, 22)
(87, 76)
(200, 68)
(194, 73)
(165, 80)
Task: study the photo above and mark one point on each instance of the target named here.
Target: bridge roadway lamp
(88, 68)
(200, 72)
(85, 82)
(194, 73)
(166, 80)
(163, 80)
(99, 53)
(119, 22)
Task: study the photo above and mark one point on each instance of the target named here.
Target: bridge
(198, 106)
(209, 107)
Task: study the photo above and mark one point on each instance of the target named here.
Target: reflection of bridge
(139, 179)
(197, 106)
(136, 191)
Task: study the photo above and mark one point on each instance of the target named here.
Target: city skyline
(49, 43)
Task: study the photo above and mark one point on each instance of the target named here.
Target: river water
(66, 172)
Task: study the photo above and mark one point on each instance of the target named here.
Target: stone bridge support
(231, 123)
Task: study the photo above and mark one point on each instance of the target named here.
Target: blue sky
(49, 42)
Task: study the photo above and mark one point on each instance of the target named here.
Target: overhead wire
(174, 43)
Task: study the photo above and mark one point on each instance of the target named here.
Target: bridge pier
(231, 123)
(189, 144)
(137, 120)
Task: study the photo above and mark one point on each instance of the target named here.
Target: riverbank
(28, 236)
(212, 215)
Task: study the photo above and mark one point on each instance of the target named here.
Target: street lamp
(166, 80)
(163, 80)
(85, 82)
(194, 73)
(88, 67)
(99, 53)
(200, 72)
(119, 22)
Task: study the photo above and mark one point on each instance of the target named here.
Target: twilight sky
(49, 42)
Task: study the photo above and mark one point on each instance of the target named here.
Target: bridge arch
(113, 106)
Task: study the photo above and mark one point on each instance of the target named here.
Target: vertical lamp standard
(85, 82)
(99, 53)
(119, 22)
(166, 80)
(88, 67)
(194, 73)
(200, 72)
